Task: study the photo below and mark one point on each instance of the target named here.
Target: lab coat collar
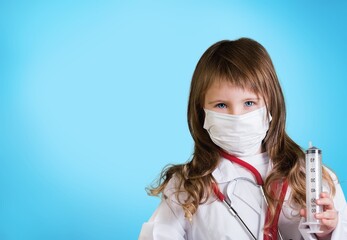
(226, 172)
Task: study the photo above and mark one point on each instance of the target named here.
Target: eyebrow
(215, 101)
(245, 99)
(254, 99)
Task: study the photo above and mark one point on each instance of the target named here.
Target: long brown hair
(244, 63)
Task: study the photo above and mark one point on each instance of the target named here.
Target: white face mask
(240, 135)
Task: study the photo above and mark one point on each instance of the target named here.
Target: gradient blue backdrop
(93, 101)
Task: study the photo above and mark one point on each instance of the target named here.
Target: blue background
(93, 101)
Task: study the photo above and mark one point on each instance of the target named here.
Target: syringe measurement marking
(313, 189)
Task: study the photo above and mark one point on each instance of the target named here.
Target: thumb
(303, 212)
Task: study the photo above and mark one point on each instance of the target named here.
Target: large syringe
(313, 187)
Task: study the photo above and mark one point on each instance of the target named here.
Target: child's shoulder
(174, 190)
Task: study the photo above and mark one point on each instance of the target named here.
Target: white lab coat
(213, 220)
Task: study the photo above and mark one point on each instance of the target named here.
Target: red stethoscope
(260, 183)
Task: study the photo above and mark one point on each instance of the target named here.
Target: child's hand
(328, 217)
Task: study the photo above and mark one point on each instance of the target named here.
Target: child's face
(224, 97)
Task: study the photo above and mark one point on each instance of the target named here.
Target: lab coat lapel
(251, 197)
(225, 173)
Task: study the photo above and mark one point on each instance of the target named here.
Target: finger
(329, 215)
(329, 224)
(326, 202)
(324, 195)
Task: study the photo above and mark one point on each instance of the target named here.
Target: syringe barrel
(313, 183)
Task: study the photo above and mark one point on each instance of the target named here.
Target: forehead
(226, 88)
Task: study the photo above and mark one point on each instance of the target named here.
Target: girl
(236, 116)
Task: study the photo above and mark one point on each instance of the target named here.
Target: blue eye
(249, 104)
(221, 105)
